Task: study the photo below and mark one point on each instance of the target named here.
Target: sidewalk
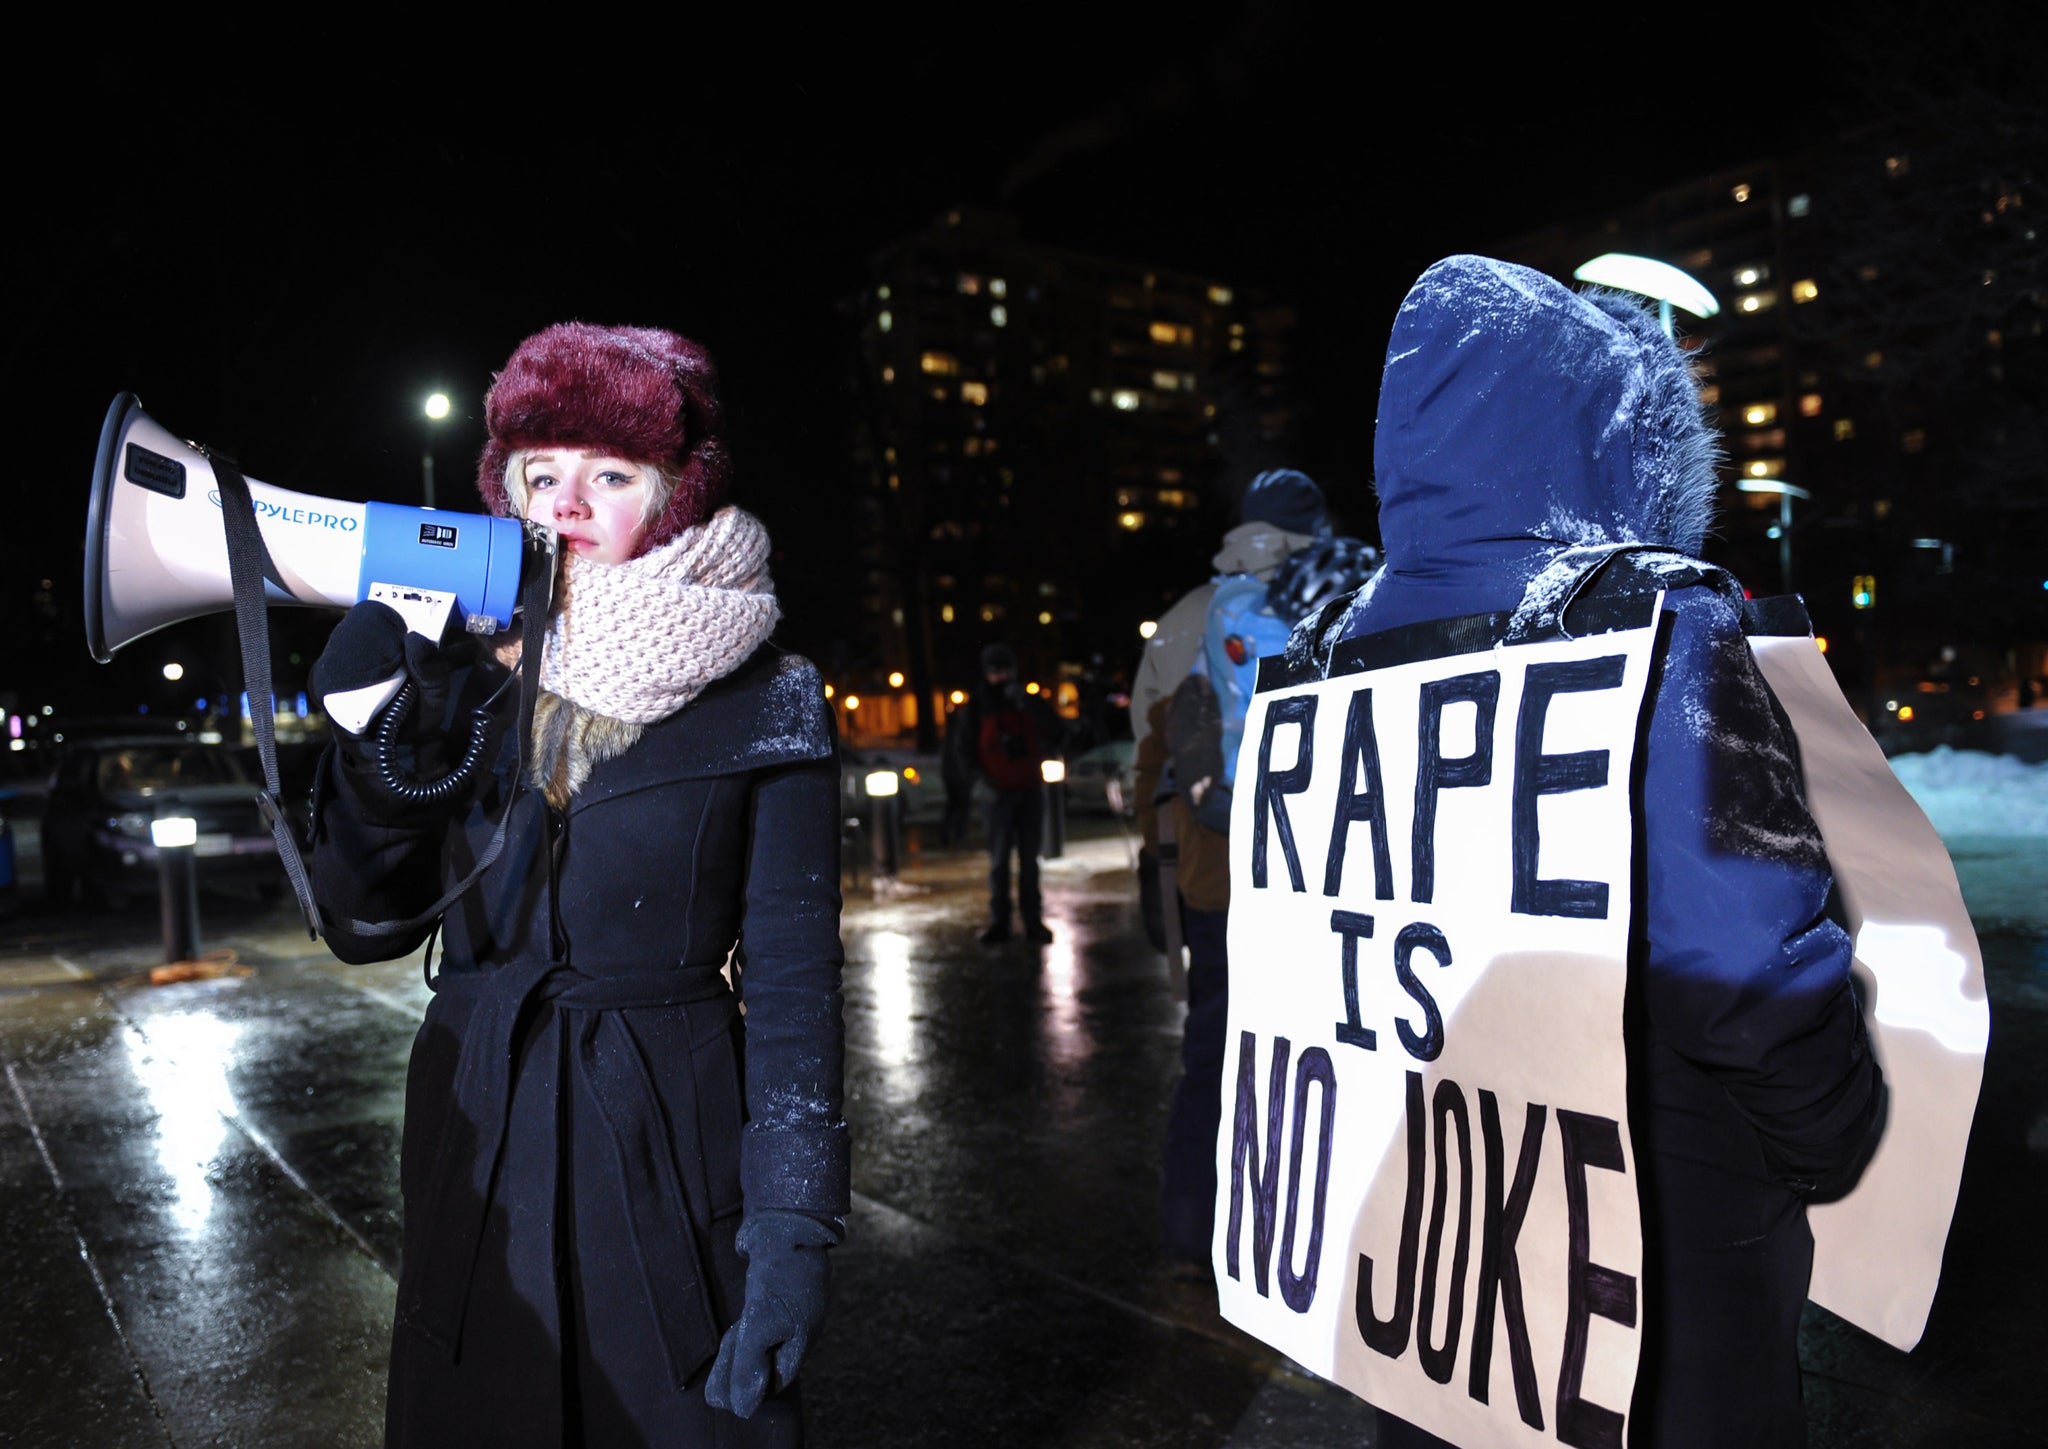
(200, 1198)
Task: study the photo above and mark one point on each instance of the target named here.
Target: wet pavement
(199, 1219)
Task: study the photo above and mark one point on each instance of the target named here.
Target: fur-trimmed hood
(1518, 418)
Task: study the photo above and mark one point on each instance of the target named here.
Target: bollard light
(174, 837)
(168, 832)
(885, 826)
(1054, 773)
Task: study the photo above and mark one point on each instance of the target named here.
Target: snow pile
(1969, 792)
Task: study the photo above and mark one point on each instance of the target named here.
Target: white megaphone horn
(156, 549)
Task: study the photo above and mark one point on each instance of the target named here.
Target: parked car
(104, 795)
(1104, 778)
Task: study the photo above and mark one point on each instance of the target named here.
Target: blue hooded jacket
(1523, 429)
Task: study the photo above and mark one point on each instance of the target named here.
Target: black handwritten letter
(1434, 773)
(1315, 1066)
(1245, 1157)
(1589, 1288)
(1439, 1362)
(1367, 802)
(1276, 785)
(1389, 1336)
(1500, 1269)
(1538, 774)
(1353, 927)
(1428, 1044)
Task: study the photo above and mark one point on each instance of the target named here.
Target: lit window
(1166, 381)
(890, 454)
(1914, 441)
(852, 701)
(1873, 360)
(1032, 687)
(1897, 166)
(1809, 405)
(895, 679)
(1844, 430)
(1711, 394)
(1758, 301)
(1237, 344)
(975, 393)
(1130, 521)
(1757, 414)
(884, 321)
(990, 613)
(1750, 276)
(1764, 467)
(1882, 508)
(958, 696)
(946, 617)
(1045, 616)
(895, 481)
(1169, 475)
(883, 291)
(1799, 205)
(1804, 290)
(969, 447)
(1172, 498)
(999, 315)
(940, 364)
(1126, 400)
(888, 374)
(939, 394)
(1740, 191)
(1164, 332)
(1220, 296)
(1994, 338)
(969, 284)
(997, 287)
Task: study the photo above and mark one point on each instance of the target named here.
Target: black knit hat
(1288, 499)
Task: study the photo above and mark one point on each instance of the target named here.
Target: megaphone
(156, 550)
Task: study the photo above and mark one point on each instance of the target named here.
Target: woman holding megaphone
(619, 1190)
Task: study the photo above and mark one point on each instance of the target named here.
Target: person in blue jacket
(1537, 447)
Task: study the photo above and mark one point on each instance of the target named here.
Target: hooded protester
(1538, 447)
(619, 1192)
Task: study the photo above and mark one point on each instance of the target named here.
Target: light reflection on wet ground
(198, 1217)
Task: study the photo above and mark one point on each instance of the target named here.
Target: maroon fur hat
(639, 392)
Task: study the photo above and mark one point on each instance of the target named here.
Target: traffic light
(1863, 591)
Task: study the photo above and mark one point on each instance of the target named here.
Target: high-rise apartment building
(1046, 443)
(1871, 353)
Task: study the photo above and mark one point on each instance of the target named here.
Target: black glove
(370, 645)
(367, 647)
(785, 1305)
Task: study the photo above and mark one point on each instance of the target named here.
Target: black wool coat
(590, 1107)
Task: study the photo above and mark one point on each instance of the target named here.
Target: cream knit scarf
(632, 643)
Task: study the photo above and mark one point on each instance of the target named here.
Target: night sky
(282, 256)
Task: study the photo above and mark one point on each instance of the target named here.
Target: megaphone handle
(353, 709)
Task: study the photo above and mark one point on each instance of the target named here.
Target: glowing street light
(1786, 493)
(436, 410)
(1645, 276)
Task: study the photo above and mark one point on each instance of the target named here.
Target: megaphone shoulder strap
(249, 563)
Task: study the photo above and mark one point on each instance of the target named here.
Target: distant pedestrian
(1007, 734)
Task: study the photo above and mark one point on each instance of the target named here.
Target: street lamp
(1659, 281)
(1786, 493)
(437, 409)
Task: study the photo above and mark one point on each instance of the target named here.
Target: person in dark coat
(1006, 735)
(624, 1160)
(1537, 447)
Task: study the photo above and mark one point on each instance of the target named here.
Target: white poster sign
(1427, 1190)
(1877, 1252)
